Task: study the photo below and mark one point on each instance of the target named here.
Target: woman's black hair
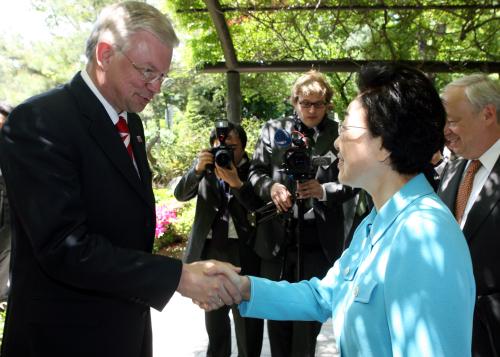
(405, 110)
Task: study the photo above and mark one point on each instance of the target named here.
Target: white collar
(113, 115)
(490, 156)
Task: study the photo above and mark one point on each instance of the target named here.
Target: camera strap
(220, 225)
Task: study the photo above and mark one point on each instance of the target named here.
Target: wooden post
(233, 103)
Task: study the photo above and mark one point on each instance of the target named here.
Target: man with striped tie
(83, 276)
(470, 186)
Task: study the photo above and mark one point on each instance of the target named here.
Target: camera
(298, 161)
(223, 154)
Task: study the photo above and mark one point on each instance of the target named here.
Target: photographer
(293, 248)
(221, 230)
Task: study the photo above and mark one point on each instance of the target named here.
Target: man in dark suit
(83, 277)
(221, 231)
(472, 132)
(291, 250)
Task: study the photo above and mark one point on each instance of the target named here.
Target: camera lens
(223, 158)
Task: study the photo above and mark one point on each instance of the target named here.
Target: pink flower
(164, 218)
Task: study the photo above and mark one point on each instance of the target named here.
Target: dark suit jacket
(267, 169)
(209, 197)
(5, 241)
(83, 220)
(482, 231)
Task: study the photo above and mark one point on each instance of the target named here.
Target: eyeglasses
(148, 75)
(343, 128)
(317, 105)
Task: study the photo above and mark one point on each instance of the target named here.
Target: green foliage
(204, 102)
(441, 34)
(290, 35)
(29, 67)
(182, 226)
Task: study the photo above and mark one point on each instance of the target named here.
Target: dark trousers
(295, 338)
(248, 331)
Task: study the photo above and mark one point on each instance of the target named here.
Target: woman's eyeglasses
(343, 128)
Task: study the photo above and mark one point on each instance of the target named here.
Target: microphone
(282, 138)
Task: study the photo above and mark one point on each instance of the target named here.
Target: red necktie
(465, 189)
(122, 128)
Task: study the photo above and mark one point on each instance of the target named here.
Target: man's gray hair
(118, 22)
(480, 90)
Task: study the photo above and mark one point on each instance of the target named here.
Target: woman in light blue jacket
(404, 287)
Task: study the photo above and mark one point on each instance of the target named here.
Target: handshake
(212, 284)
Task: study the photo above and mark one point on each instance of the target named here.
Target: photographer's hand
(311, 188)
(229, 175)
(281, 197)
(205, 158)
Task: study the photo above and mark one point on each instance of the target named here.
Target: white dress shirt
(113, 115)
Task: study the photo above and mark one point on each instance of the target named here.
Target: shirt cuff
(323, 198)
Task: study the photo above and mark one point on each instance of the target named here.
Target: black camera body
(223, 154)
(297, 164)
(298, 161)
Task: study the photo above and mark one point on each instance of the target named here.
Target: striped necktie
(465, 189)
(122, 128)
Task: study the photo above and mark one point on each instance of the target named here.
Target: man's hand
(311, 188)
(208, 289)
(205, 158)
(229, 175)
(281, 197)
(226, 270)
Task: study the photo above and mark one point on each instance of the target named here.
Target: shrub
(173, 220)
(164, 235)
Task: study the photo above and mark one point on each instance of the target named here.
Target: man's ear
(490, 114)
(104, 54)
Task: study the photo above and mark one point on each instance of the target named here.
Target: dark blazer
(266, 169)
(482, 231)
(5, 241)
(83, 220)
(209, 197)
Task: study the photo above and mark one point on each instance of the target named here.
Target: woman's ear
(383, 154)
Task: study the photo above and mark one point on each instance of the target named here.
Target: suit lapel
(102, 130)
(452, 176)
(138, 146)
(487, 199)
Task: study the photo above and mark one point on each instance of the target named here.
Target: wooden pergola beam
(233, 101)
(217, 15)
(350, 66)
(378, 7)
